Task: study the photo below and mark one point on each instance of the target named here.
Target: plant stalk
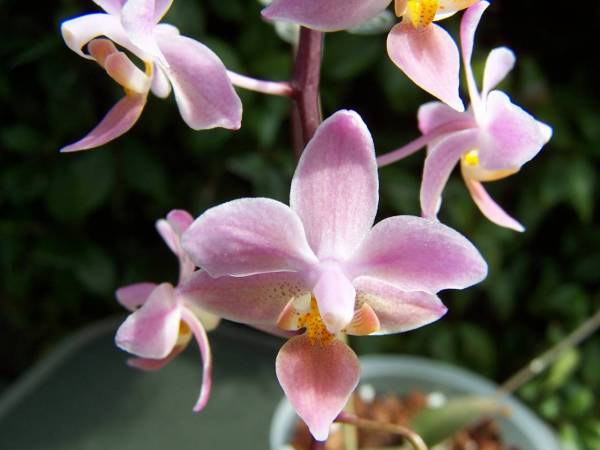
(542, 362)
(306, 116)
(413, 438)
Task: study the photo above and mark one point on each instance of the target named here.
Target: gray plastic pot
(405, 373)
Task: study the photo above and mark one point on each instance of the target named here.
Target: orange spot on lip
(316, 331)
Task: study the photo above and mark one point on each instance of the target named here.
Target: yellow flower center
(471, 158)
(420, 12)
(316, 331)
(470, 168)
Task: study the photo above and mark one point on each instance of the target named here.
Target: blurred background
(75, 227)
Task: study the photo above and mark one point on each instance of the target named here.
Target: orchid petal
(489, 207)
(79, 31)
(203, 91)
(248, 236)
(112, 7)
(441, 160)
(123, 71)
(499, 63)
(161, 87)
(433, 115)
(335, 187)
(398, 310)
(512, 136)
(161, 7)
(117, 122)
(134, 295)
(152, 365)
(417, 254)
(257, 299)
(447, 8)
(169, 235)
(149, 364)
(364, 322)
(318, 379)
(208, 320)
(468, 26)
(335, 297)
(152, 330)
(429, 57)
(180, 220)
(200, 335)
(171, 231)
(138, 21)
(324, 15)
(100, 49)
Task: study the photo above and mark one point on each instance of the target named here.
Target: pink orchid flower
(162, 322)
(492, 140)
(203, 91)
(320, 266)
(425, 52)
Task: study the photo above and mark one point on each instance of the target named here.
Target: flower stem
(413, 438)
(542, 362)
(306, 116)
(282, 88)
(422, 141)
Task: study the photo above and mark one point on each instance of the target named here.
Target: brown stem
(413, 438)
(305, 87)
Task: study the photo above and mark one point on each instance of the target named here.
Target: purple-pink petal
(499, 63)
(318, 379)
(79, 31)
(490, 208)
(138, 20)
(161, 86)
(335, 187)
(203, 345)
(396, 309)
(256, 299)
(433, 115)
(335, 297)
(148, 364)
(161, 7)
(203, 91)
(117, 122)
(441, 160)
(180, 220)
(429, 57)
(325, 15)
(112, 7)
(134, 295)
(248, 236)
(152, 330)
(417, 254)
(511, 135)
(468, 26)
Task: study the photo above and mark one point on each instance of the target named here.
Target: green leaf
(435, 425)
(579, 400)
(569, 437)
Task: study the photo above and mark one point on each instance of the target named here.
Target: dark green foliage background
(74, 227)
